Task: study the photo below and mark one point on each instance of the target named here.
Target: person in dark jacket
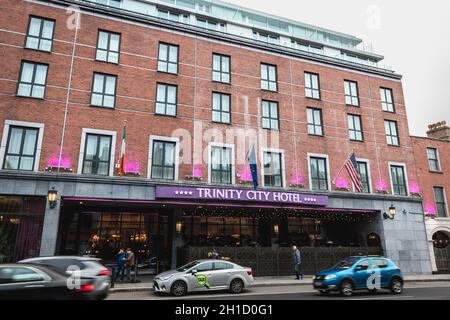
(297, 261)
(129, 263)
(120, 270)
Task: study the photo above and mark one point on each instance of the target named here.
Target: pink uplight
(297, 179)
(54, 162)
(382, 186)
(430, 210)
(133, 167)
(414, 187)
(342, 183)
(197, 171)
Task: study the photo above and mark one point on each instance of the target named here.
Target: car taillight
(249, 272)
(86, 288)
(104, 273)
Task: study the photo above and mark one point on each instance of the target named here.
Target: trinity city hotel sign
(245, 195)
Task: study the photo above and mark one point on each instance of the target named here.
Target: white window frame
(369, 173)
(113, 135)
(398, 164)
(233, 167)
(283, 166)
(445, 200)
(318, 155)
(8, 124)
(150, 154)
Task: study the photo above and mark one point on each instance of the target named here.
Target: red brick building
(195, 90)
(432, 159)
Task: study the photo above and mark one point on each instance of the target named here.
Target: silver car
(88, 267)
(204, 275)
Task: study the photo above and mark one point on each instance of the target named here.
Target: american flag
(352, 167)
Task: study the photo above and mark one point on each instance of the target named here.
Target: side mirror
(194, 271)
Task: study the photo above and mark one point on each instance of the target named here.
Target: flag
(352, 167)
(122, 151)
(251, 158)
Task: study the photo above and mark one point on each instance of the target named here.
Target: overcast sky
(414, 37)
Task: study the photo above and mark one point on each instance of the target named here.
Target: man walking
(129, 263)
(297, 260)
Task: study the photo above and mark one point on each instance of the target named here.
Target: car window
(222, 266)
(365, 264)
(206, 266)
(63, 264)
(17, 275)
(380, 263)
(187, 266)
(344, 264)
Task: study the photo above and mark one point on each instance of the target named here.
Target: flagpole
(342, 168)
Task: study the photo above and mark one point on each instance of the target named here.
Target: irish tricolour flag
(122, 151)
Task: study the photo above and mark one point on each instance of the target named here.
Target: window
(221, 108)
(312, 85)
(351, 93)
(315, 126)
(364, 173)
(104, 90)
(32, 80)
(265, 37)
(97, 154)
(268, 77)
(163, 160)
(380, 263)
(270, 118)
(319, 173)
(441, 205)
(355, 128)
(166, 99)
(307, 47)
(173, 16)
(206, 266)
(18, 275)
(222, 266)
(40, 34)
(168, 58)
(21, 148)
(387, 100)
(391, 133)
(221, 68)
(433, 160)
(108, 47)
(211, 25)
(398, 180)
(273, 170)
(221, 165)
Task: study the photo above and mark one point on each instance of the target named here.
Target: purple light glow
(132, 167)
(342, 183)
(297, 179)
(414, 187)
(430, 209)
(54, 162)
(382, 186)
(197, 171)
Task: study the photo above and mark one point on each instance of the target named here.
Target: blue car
(360, 273)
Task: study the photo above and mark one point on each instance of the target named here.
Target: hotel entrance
(100, 229)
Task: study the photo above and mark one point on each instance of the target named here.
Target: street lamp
(392, 212)
(52, 198)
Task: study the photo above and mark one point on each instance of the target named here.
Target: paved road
(413, 291)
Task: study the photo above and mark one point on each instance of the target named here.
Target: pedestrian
(120, 270)
(215, 255)
(129, 263)
(297, 261)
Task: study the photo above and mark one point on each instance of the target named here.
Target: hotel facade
(196, 85)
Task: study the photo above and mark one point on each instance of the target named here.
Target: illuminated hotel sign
(245, 195)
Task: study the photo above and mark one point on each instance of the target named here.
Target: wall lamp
(178, 227)
(276, 228)
(391, 214)
(52, 198)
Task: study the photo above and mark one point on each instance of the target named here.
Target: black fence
(278, 261)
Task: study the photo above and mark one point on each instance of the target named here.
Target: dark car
(35, 282)
(88, 267)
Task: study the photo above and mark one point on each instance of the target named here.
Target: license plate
(318, 283)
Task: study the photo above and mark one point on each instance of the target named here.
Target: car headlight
(331, 276)
(166, 277)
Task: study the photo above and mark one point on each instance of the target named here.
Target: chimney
(439, 131)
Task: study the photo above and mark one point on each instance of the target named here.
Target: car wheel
(324, 292)
(236, 286)
(178, 288)
(102, 296)
(346, 288)
(396, 286)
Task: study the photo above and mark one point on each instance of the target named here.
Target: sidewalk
(273, 282)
